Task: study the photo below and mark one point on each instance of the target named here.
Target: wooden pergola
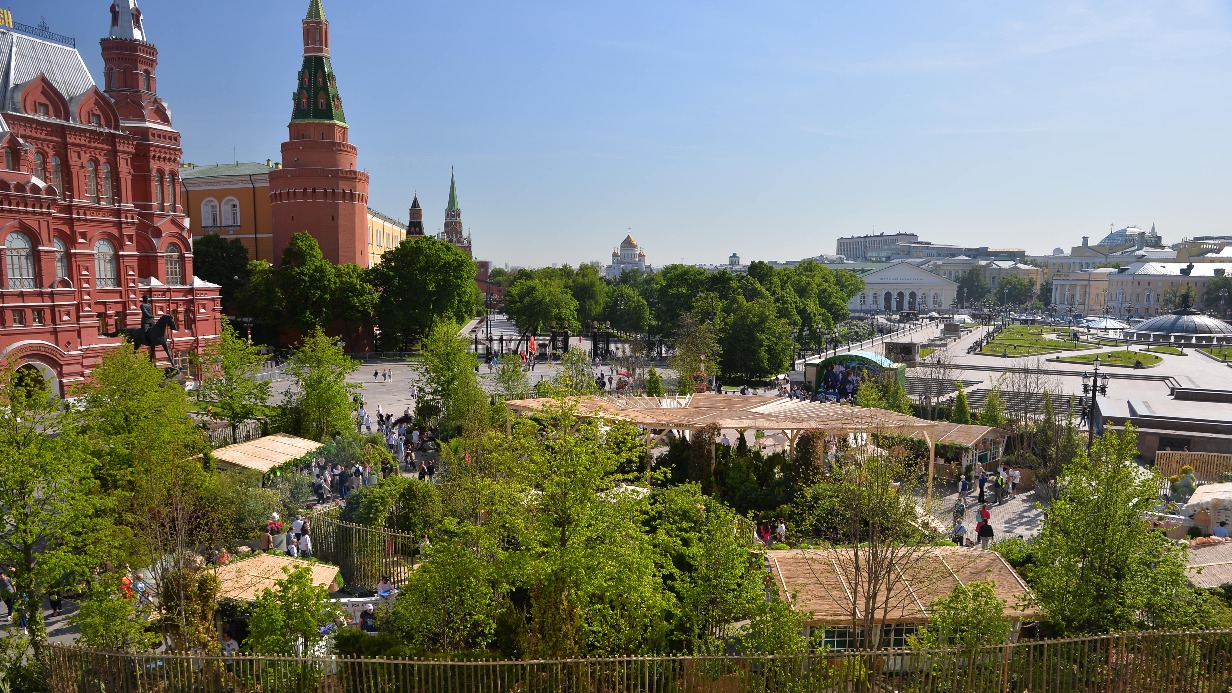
(684, 414)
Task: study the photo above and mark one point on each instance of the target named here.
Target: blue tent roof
(850, 356)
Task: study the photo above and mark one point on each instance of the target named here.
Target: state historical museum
(90, 215)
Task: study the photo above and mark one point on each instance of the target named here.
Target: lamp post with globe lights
(1093, 384)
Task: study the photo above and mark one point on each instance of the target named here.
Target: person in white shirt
(298, 525)
(305, 545)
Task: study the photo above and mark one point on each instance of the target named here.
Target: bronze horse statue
(155, 336)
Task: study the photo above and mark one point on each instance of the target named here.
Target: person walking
(983, 480)
(985, 534)
(959, 535)
(1015, 478)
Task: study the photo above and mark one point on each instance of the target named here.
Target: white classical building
(903, 286)
(627, 257)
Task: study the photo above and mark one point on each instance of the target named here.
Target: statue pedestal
(280, 542)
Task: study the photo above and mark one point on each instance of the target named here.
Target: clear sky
(709, 127)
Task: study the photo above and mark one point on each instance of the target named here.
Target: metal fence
(1183, 662)
(363, 554)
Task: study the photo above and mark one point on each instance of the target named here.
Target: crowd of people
(1001, 485)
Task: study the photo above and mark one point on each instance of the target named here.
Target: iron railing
(1154, 662)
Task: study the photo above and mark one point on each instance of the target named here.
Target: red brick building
(318, 189)
(90, 215)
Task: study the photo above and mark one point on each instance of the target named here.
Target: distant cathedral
(628, 256)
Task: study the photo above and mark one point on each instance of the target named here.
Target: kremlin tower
(318, 189)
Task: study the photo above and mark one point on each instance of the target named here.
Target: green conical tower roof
(453, 194)
(315, 10)
(316, 97)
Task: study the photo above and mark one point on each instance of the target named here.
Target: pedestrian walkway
(1013, 517)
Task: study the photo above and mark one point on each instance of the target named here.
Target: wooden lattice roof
(821, 581)
(263, 454)
(247, 578)
(739, 412)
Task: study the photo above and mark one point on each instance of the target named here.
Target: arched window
(108, 190)
(303, 99)
(92, 182)
(159, 185)
(8, 159)
(105, 272)
(209, 213)
(230, 212)
(111, 78)
(173, 191)
(57, 178)
(145, 80)
(321, 102)
(61, 258)
(40, 167)
(19, 260)
(175, 265)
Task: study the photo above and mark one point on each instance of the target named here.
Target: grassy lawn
(998, 347)
(1224, 353)
(1115, 358)
(1027, 340)
(925, 352)
(1165, 349)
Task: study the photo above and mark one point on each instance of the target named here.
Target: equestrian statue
(152, 333)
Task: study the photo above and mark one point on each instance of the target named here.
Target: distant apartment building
(859, 247)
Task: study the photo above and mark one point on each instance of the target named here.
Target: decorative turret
(453, 218)
(317, 98)
(414, 225)
(126, 21)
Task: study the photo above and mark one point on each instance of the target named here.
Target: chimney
(269, 163)
(1086, 240)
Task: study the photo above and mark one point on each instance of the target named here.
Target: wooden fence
(364, 555)
(1209, 467)
(1185, 662)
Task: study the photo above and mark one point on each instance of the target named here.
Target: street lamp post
(1093, 384)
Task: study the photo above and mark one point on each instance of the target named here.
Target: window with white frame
(106, 275)
(209, 212)
(175, 265)
(61, 258)
(19, 261)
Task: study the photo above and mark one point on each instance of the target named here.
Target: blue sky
(767, 129)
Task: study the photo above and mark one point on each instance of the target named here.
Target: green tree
(422, 282)
(1100, 567)
(1015, 291)
(261, 298)
(228, 377)
(590, 293)
(972, 286)
(321, 403)
(399, 503)
(756, 343)
(961, 413)
(697, 352)
(307, 282)
(626, 310)
(969, 617)
(993, 411)
(354, 300)
(512, 382)
(222, 261)
(449, 604)
(654, 383)
(1217, 295)
(50, 507)
(451, 380)
(536, 304)
(144, 442)
(108, 621)
(575, 376)
(287, 619)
